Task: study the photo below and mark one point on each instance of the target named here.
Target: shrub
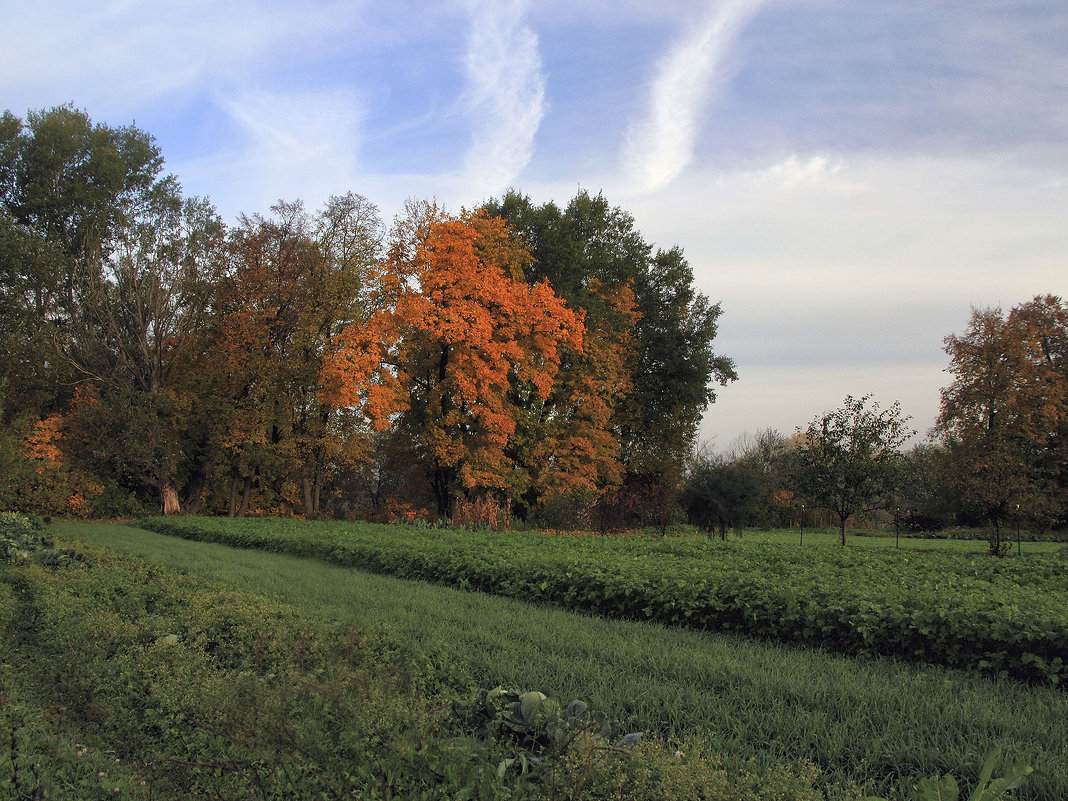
(918, 523)
(130, 679)
(567, 510)
(1004, 617)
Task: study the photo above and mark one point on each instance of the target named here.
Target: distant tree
(849, 459)
(923, 502)
(1004, 418)
(767, 455)
(720, 493)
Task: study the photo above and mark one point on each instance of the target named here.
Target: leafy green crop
(1008, 618)
(129, 679)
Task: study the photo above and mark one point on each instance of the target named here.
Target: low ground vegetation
(1007, 618)
(130, 679)
(872, 722)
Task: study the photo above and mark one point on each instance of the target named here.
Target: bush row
(1007, 617)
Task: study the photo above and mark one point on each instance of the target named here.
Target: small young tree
(849, 460)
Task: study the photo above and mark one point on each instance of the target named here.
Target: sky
(847, 178)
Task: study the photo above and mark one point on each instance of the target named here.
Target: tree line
(997, 456)
(534, 361)
(516, 357)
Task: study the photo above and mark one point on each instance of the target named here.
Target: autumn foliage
(457, 338)
(1005, 416)
(309, 362)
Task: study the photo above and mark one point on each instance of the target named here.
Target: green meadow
(863, 721)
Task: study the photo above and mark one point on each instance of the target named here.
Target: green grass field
(864, 720)
(867, 539)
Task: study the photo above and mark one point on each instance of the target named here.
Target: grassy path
(858, 719)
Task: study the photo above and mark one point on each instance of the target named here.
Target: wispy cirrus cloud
(129, 54)
(505, 91)
(286, 145)
(660, 144)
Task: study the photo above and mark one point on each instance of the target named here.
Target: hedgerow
(1006, 617)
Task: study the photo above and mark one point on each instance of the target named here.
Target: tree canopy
(849, 458)
(652, 365)
(458, 335)
(1004, 417)
(534, 357)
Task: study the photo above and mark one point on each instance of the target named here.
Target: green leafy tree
(767, 455)
(591, 253)
(677, 366)
(137, 341)
(109, 275)
(923, 502)
(66, 186)
(720, 493)
(849, 459)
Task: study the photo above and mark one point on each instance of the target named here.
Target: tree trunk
(843, 522)
(169, 499)
(243, 510)
(310, 490)
(194, 493)
(244, 483)
(232, 509)
(441, 481)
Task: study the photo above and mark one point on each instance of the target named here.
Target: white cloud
(847, 281)
(506, 91)
(795, 171)
(660, 145)
(295, 145)
(121, 56)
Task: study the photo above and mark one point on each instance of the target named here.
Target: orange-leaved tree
(1005, 416)
(458, 334)
(572, 444)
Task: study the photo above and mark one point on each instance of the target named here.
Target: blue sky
(847, 177)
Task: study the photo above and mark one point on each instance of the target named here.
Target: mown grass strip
(1008, 617)
(859, 719)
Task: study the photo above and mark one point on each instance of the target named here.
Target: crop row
(1005, 618)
